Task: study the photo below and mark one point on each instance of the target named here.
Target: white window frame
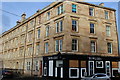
(75, 8)
(38, 34)
(97, 66)
(76, 25)
(51, 68)
(77, 46)
(46, 47)
(111, 47)
(94, 28)
(37, 48)
(48, 15)
(89, 66)
(112, 71)
(59, 45)
(45, 69)
(91, 46)
(47, 31)
(108, 32)
(73, 76)
(107, 15)
(81, 72)
(109, 67)
(93, 14)
(59, 11)
(28, 66)
(58, 26)
(37, 65)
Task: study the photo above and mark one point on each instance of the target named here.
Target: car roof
(100, 74)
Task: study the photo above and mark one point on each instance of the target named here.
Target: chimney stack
(38, 10)
(101, 4)
(23, 17)
(18, 22)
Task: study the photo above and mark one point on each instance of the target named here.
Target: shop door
(91, 67)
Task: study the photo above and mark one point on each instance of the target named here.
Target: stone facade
(23, 46)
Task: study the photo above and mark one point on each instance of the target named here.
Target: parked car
(7, 74)
(97, 76)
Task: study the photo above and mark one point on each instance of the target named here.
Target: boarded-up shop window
(83, 64)
(73, 63)
(114, 64)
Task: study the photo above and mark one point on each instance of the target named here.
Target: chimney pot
(18, 22)
(23, 17)
(101, 4)
(38, 10)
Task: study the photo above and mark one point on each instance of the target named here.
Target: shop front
(72, 66)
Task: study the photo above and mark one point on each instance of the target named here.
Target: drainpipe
(25, 48)
(33, 49)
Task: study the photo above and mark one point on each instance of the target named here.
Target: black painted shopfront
(74, 66)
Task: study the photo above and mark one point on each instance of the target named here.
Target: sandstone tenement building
(65, 39)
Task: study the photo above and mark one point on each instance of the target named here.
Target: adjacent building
(64, 40)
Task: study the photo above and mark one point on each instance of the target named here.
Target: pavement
(39, 78)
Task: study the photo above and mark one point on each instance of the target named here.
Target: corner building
(64, 40)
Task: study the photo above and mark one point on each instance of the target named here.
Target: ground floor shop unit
(76, 66)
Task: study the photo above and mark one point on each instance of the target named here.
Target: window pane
(73, 72)
(61, 8)
(91, 11)
(46, 47)
(74, 44)
(47, 31)
(61, 45)
(74, 8)
(57, 27)
(58, 10)
(92, 28)
(57, 45)
(48, 15)
(108, 30)
(61, 26)
(106, 14)
(74, 25)
(109, 47)
(93, 46)
(38, 33)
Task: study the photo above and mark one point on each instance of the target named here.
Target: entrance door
(108, 71)
(59, 69)
(91, 67)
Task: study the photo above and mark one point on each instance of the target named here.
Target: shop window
(45, 71)
(99, 64)
(59, 63)
(73, 73)
(83, 72)
(108, 71)
(115, 72)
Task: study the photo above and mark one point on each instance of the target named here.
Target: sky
(12, 10)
